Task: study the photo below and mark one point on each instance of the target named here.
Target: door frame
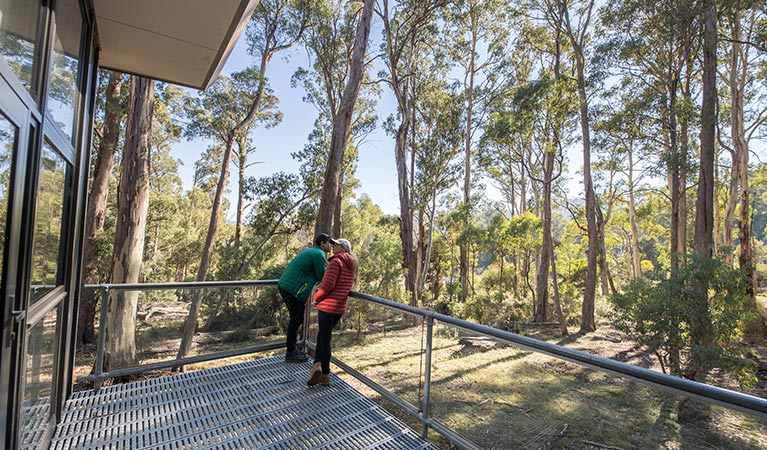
(17, 112)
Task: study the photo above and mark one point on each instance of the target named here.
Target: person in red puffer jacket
(330, 301)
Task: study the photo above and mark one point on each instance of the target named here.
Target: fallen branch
(607, 337)
(597, 444)
(534, 324)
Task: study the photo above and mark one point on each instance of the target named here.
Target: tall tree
(437, 144)
(408, 26)
(108, 140)
(653, 45)
(621, 134)
(576, 25)
(328, 216)
(704, 206)
(474, 26)
(227, 111)
(133, 203)
(739, 74)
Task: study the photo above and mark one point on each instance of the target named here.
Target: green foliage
(662, 313)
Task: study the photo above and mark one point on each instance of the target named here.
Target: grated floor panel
(260, 404)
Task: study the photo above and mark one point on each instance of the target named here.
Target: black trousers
(296, 310)
(326, 322)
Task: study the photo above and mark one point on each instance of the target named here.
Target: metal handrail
(711, 394)
(100, 375)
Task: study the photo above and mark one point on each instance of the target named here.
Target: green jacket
(306, 269)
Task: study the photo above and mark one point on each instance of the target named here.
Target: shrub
(667, 314)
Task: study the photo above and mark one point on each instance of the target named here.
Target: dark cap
(322, 237)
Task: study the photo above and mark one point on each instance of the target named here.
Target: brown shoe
(325, 379)
(315, 375)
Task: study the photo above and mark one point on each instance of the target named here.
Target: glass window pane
(18, 38)
(63, 89)
(38, 377)
(7, 144)
(49, 213)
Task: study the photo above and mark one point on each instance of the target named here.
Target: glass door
(14, 145)
(40, 91)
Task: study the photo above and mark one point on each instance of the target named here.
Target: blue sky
(376, 170)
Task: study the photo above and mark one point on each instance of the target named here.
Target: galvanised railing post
(99, 369)
(427, 378)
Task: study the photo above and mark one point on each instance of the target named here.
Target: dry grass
(505, 398)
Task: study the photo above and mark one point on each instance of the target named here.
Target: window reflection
(48, 219)
(18, 38)
(65, 63)
(7, 144)
(39, 371)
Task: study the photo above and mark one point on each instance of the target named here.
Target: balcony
(263, 403)
(402, 378)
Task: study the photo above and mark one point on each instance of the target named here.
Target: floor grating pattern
(260, 404)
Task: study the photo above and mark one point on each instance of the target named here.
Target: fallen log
(216, 337)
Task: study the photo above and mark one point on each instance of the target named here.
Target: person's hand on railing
(319, 295)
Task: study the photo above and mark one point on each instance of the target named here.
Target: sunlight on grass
(501, 397)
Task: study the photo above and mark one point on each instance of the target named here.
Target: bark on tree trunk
(330, 197)
(406, 213)
(589, 293)
(635, 252)
(673, 178)
(463, 264)
(557, 302)
(242, 160)
(547, 246)
(704, 217)
(190, 325)
(133, 204)
(97, 205)
(738, 76)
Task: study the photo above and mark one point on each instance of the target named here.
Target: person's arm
(328, 282)
(319, 264)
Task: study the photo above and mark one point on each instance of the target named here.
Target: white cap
(343, 243)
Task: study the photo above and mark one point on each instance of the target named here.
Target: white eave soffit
(184, 42)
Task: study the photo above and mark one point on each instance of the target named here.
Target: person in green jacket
(305, 270)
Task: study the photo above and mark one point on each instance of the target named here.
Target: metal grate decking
(260, 404)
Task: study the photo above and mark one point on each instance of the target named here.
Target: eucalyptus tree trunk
(463, 265)
(636, 258)
(97, 205)
(133, 204)
(330, 199)
(557, 300)
(242, 160)
(272, 44)
(737, 82)
(190, 325)
(547, 247)
(738, 142)
(705, 199)
(577, 39)
(400, 86)
(427, 251)
(704, 213)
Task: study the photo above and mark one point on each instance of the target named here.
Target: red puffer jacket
(336, 284)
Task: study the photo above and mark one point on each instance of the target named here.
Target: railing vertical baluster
(427, 377)
(102, 338)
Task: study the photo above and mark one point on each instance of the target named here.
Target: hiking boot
(315, 376)
(324, 379)
(296, 357)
